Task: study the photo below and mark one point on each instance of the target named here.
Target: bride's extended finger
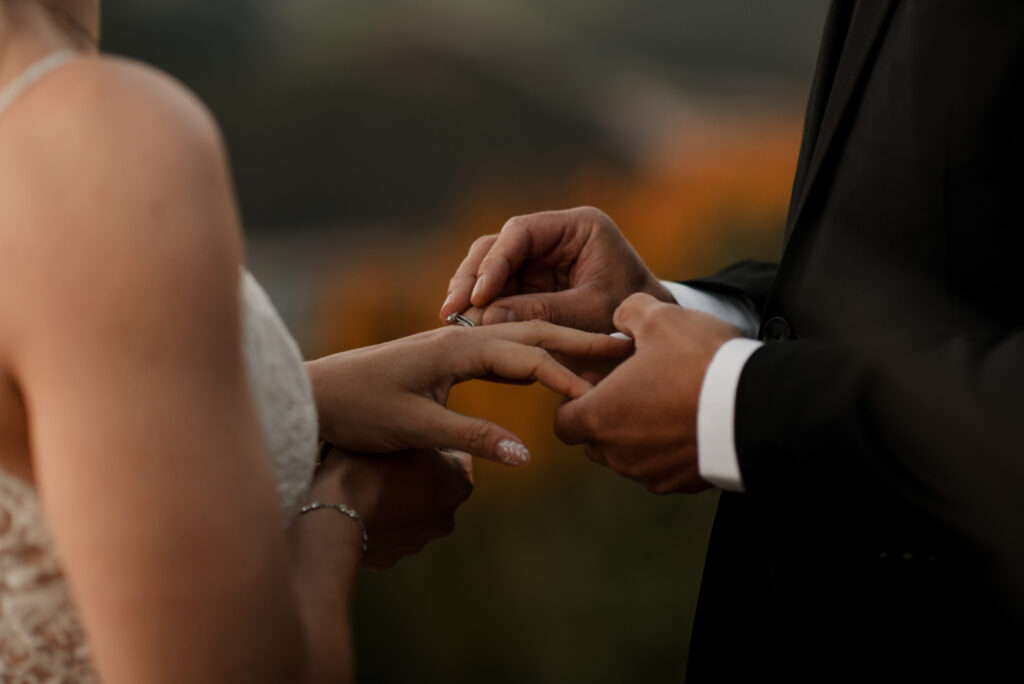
(560, 339)
(516, 361)
(450, 430)
(465, 278)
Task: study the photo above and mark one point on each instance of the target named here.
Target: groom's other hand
(641, 420)
(570, 267)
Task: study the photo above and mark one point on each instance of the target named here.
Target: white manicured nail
(513, 453)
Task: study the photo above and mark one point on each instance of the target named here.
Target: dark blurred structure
(339, 111)
(371, 141)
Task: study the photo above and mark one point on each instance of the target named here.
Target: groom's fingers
(464, 280)
(494, 261)
(506, 254)
(522, 238)
(573, 308)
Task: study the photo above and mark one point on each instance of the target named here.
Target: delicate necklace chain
(32, 74)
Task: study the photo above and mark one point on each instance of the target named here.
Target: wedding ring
(458, 319)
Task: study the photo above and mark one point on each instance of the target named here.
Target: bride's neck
(29, 32)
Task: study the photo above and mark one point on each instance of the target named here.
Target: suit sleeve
(857, 429)
(751, 279)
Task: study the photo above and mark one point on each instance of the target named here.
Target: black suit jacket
(879, 429)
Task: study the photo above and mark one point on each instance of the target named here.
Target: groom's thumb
(570, 308)
(633, 312)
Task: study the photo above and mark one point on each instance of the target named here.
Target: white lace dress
(40, 637)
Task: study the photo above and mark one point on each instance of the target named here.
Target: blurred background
(372, 141)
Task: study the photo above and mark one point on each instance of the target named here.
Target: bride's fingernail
(478, 287)
(447, 301)
(513, 453)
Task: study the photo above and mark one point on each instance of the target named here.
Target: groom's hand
(569, 267)
(641, 420)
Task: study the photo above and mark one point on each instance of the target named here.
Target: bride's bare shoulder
(103, 123)
(113, 172)
(110, 105)
(103, 134)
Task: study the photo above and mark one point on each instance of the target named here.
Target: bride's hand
(404, 499)
(391, 397)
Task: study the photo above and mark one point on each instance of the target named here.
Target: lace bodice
(40, 638)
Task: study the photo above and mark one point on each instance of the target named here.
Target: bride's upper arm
(124, 338)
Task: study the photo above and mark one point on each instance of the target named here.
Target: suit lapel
(848, 58)
(836, 23)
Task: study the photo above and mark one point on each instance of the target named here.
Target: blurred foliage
(373, 141)
(573, 576)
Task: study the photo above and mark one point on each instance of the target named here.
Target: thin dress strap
(25, 79)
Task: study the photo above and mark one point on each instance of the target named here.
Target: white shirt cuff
(717, 461)
(735, 310)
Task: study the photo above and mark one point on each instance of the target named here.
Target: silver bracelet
(342, 508)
